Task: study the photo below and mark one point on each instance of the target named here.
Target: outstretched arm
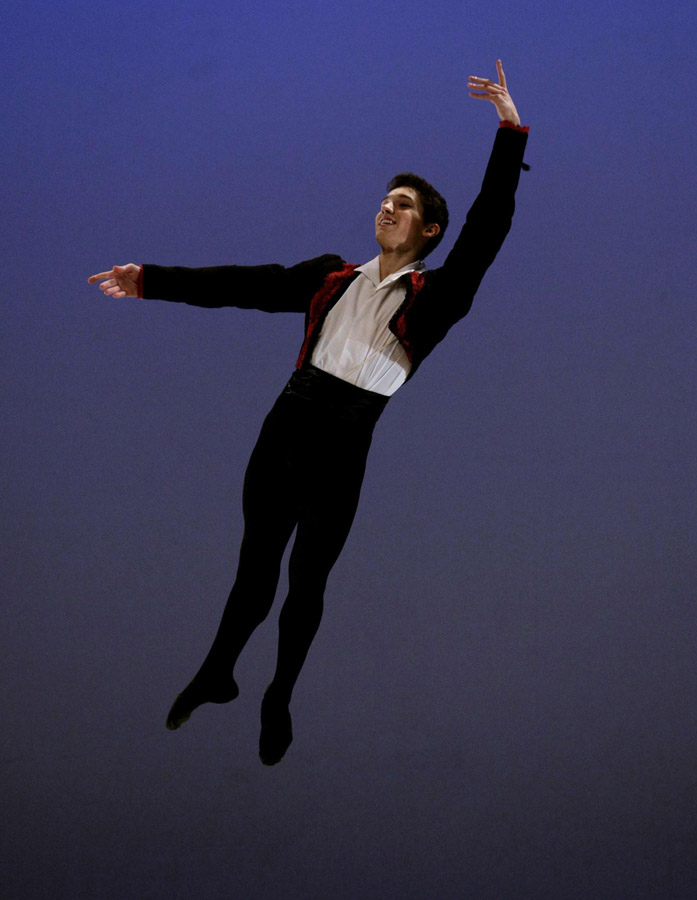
(486, 89)
(271, 288)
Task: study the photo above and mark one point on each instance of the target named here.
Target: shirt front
(355, 343)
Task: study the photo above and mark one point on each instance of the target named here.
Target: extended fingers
(502, 76)
(111, 287)
(485, 88)
(474, 81)
(93, 278)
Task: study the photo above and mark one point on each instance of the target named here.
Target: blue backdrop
(501, 700)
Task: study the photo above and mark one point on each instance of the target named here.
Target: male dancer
(367, 330)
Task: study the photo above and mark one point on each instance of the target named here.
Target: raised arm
(489, 218)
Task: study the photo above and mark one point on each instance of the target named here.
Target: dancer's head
(412, 214)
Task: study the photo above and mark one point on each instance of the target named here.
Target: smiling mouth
(386, 222)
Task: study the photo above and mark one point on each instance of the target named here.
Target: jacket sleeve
(271, 288)
(486, 226)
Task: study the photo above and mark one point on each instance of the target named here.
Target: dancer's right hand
(121, 281)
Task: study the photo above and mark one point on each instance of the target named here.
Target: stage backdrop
(500, 702)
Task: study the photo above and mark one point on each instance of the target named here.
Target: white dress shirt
(355, 343)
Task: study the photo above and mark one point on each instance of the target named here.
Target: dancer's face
(400, 225)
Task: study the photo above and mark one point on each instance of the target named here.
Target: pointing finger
(502, 77)
(93, 278)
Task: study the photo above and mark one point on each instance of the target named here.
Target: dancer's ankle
(198, 692)
(278, 695)
(218, 686)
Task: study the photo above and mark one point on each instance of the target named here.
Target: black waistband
(312, 383)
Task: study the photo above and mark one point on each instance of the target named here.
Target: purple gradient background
(501, 701)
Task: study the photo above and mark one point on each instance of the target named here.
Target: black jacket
(434, 300)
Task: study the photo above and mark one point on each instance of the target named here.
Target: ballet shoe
(276, 730)
(194, 695)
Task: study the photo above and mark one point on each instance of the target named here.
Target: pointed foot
(196, 694)
(276, 730)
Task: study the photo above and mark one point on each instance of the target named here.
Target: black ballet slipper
(276, 730)
(197, 693)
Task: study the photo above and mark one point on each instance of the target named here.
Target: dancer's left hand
(486, 89)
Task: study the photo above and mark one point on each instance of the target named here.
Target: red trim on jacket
(318, 306)
(524, 128)
(332, 284)
(398, 323)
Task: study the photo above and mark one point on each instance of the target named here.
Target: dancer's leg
(315, 550)
(270, 514)
(325, 521)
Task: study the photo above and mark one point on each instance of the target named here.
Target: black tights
(306, 471)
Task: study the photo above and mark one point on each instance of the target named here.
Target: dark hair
(435, 207)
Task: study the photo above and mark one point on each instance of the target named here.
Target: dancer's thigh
(327, 510)
(269, 497)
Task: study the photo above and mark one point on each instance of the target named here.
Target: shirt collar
(372, 271)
